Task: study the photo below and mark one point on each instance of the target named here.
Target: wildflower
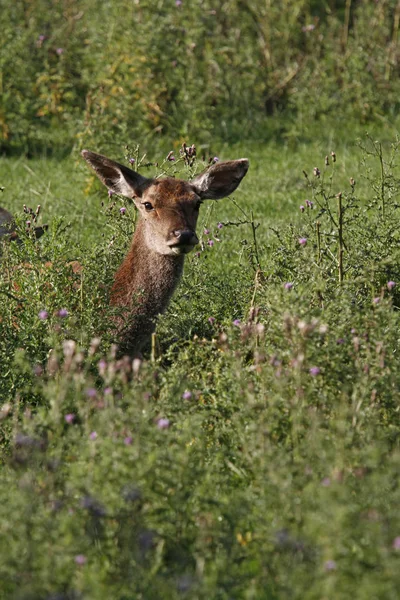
(62, 313)
(302, 241)
(288, 285)
(131, 161)
(330, 565)
(396, 543)
(43, 314)
(340, 341)
(210, 243)
(80, 559)
(93, 435)
(314, 371)
(317, 172)
(333, 154)
(122, 210)
(171, 157)
(236, 322)
(307, 28)
(215, 159)
(91, 393)
(390, 285)
(163, 423)
(206, 231)
(187, 395)
(327, 161)
(178, 3)
(309, 204)
(108, 391)
(42, 38)
(110, 193)
(220, 225)
(352, 182)
(69, 418)
(302, 209)
(326, 482)
(211, 320)
(128, 440)
(376, 300)
(60, 51)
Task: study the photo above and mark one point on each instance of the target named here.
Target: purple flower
(43, 315)
(376, 300)
(330, 565)
(122, 210)
(110, 193)
(131, 161)
(211, 320)
(108, 391)
(288, 285)
(390, 285)
(220, 225)
(178, 2)
(302, 209)
(302, 241)
(60, 51)
(314, 371)
(309, 204)
(91, 393)
(128, 440)
(171, 158)
(187, 395)
(93, 435)
(69, 418)
(326, 482)
(340, 341)
(210, 243)
(42, 38)
(80, 559)
(215, 159)
(396, 543)
(62, 313)
(236, 322)
(163, 423)
(206, 231)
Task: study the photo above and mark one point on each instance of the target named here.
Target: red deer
(166, 231)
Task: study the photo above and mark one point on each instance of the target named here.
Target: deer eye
(148, 206)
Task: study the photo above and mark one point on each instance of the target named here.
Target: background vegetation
(255, 453)
(103, 72)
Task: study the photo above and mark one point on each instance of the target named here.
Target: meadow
(253, 452)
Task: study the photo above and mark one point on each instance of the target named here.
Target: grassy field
(256, 454)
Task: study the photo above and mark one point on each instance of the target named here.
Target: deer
(165, 232)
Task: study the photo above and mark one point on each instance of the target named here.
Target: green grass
(274, 472)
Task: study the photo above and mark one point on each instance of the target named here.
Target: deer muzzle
(182, 241)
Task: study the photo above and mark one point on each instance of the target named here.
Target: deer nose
(185, 237)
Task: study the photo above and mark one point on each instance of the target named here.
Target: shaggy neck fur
(143, 286)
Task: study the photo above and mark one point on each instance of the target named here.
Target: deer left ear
(221, 179)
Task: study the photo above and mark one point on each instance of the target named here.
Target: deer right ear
(116, 177)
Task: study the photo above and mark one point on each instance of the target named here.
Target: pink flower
(396, 543)
(210, 243)
(163, 423)
(128, 440)
(122, 210)
(330, 565)
(302, 241)
(187, 395)
(80, 559)
(302, 208)
(314, 371)
(69, 418)
(43, 315)
(93, 435)
(390, 285)
(288, 285)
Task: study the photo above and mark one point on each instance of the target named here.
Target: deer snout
(183, 238)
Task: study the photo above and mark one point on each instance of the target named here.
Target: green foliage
(256, 455)
(95, 72)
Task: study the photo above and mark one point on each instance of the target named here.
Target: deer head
(169, 207)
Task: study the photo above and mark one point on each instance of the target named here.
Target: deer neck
(146, 279)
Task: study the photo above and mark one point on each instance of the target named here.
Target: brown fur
(166, 231)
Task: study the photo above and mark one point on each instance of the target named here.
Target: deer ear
(115, 176)
(221, 179)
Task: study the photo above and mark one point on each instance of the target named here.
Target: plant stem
(340, 232)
